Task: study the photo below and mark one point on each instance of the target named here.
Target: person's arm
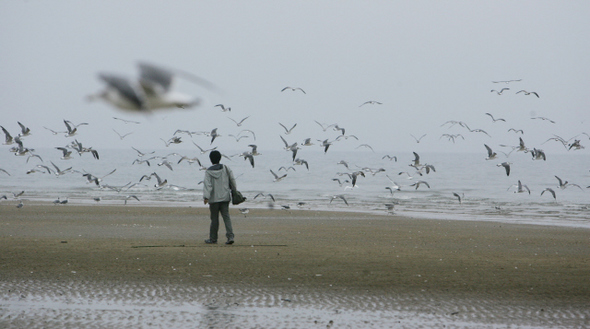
(207, 187)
